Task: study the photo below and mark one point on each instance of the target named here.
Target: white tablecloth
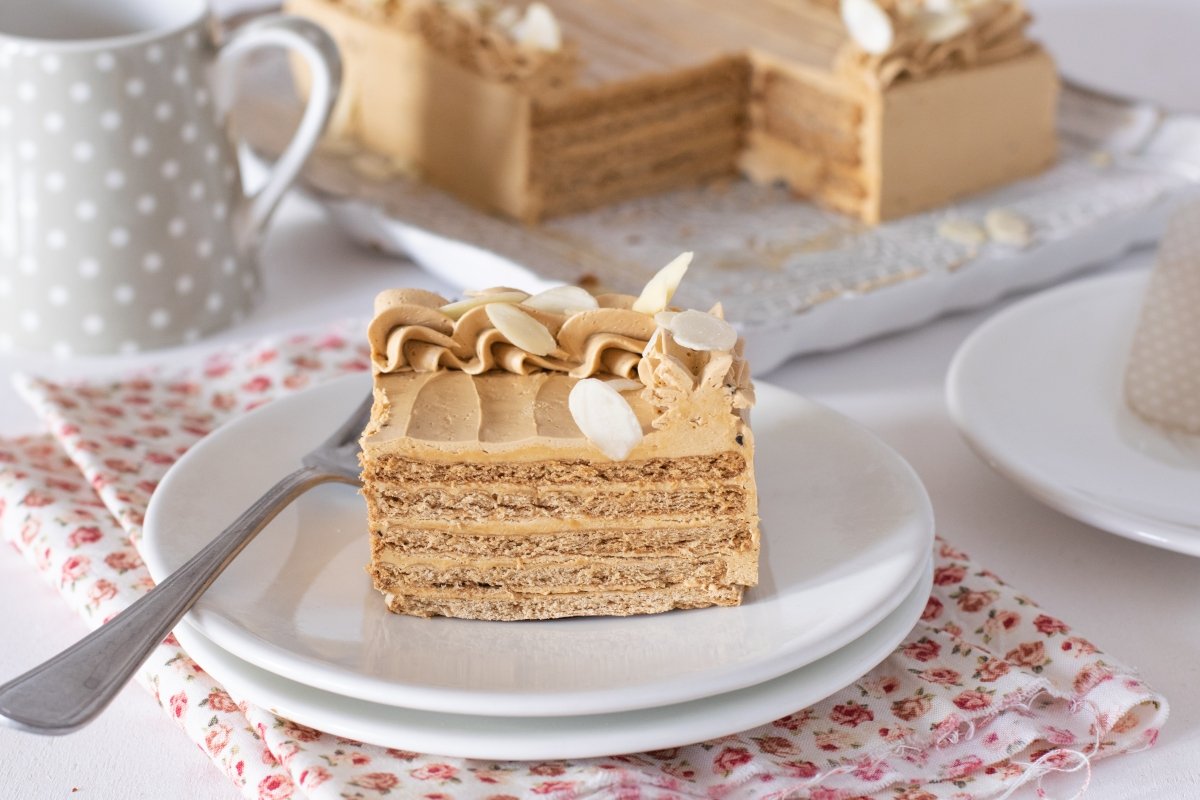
(1138, 603)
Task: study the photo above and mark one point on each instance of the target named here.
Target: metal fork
(71, 689)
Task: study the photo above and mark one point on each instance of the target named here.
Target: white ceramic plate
(1037, 392)
(547, 738)
(847, 529)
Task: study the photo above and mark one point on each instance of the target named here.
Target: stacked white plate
(294, 624)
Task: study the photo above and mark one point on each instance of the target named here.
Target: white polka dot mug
(124, 224)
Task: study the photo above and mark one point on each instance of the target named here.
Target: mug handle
(320, 53)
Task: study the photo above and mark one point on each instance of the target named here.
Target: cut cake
(876, 109)
(558, 455)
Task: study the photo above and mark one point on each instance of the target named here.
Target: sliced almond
(562, 300)
(663, 318)
(521, 329)
(1008, 227)
(605, 418)
(868, 25)
(962, 231)
(699, 331)
(456, 310)
(538, 29)
(625, 384)
(507, 18)
(938, 26)
(661, 288)
(493, 290)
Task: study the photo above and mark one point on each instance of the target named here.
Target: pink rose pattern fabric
(987, 692)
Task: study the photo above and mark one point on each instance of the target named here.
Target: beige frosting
(447, 383)
(997, 32)
(409, 332)
(468, 34)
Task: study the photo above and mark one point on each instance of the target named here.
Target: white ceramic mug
(124, 224)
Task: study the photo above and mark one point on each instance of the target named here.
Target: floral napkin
(988, 692)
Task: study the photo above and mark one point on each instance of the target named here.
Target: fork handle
(72, 688)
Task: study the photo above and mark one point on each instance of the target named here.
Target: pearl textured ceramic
(847, 529)
(1037, 392)
(124, 224)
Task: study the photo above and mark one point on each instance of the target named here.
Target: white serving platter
(794, 278)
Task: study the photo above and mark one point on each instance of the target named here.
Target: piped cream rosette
(891, 39)
(614, 344)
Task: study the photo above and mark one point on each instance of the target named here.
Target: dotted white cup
(124, 224)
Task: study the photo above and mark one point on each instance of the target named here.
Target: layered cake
(558, 455)
(876, 108)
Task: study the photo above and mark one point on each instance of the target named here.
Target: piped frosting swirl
(687, 365)
(410, 332)
(931, 41)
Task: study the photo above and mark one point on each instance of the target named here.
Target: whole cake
(558, 455)
(876, 108)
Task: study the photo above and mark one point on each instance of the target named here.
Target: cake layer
(520, 606)
(769, 159)
(640, 148)
(514, 504)
(690, 165)
(726, 536)
(815, 119)
(390, 468)
(656, 98)
(650, 130)
(410, 574)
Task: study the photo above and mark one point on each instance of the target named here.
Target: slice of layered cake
(876, 108)
(558, 455)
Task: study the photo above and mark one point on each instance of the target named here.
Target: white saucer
(1037, 392)
(550, 738)
(847, 530)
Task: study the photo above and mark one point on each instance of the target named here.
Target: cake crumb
(372, 166)
(1008, 227)
(962, 231)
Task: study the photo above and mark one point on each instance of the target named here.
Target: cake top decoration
(893, 39)
(517, 42)
(676, 360)
(563, 329)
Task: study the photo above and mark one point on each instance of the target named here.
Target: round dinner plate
(1037, 392)
(569, 737)
(847, 529)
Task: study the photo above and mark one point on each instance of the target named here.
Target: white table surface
(1138, 603)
